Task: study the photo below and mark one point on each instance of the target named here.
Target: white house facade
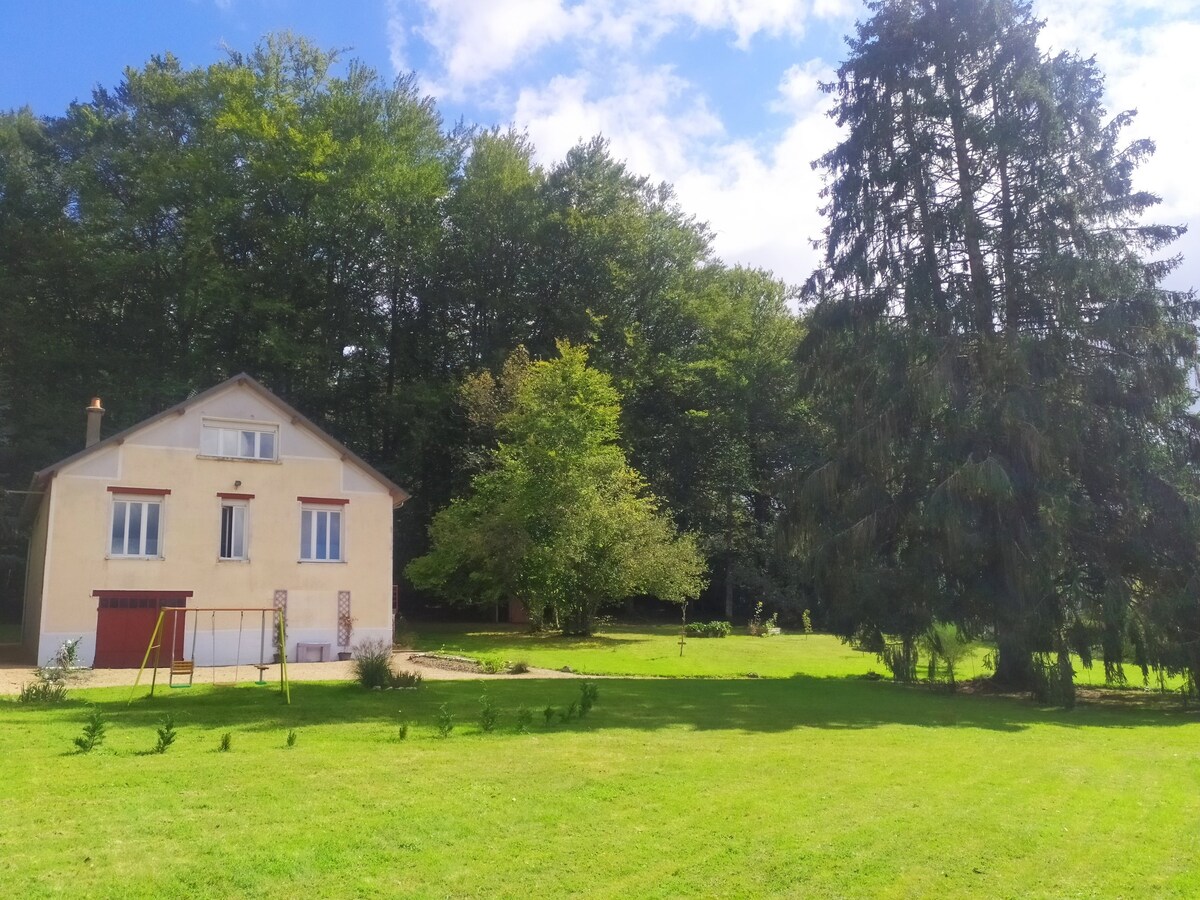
(230, 504)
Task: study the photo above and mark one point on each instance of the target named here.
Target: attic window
(233, 441)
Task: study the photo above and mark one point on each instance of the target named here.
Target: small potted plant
(345, 630)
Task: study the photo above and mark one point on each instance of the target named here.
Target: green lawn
(654, 650)
(796, 786)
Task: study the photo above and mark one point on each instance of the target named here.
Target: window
(233, 530)
(237, 442)
(136, 527)
(320, 534)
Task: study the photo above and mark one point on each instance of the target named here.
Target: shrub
(226, 742)
(403, 634)
(445, 721)
(404, 679)
(758, 627)
(1054, 679)
(166, 734)
(67, 655)
(806, 622)
(402, 731)
(373, 663)
(291, 738)
(520, 667)
(548, 714)
(900, 657)
(524, 719)
(493, 665)
(588, 695)
(488, 714)
(49, 688)
(945, 643)
(708, 629)
(93, 733)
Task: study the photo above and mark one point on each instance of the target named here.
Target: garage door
(125, 622)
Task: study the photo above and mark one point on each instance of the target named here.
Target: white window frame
(126, 502)
(310, 514)
(236, 506)
(223, 439)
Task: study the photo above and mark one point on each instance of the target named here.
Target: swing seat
(262, 672)
(182, 667)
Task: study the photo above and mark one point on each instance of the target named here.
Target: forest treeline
(977, 412)
(305, 221)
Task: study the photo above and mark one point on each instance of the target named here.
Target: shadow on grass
(767, 706)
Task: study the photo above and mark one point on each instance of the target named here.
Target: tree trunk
(1014, 660)
(926, 227)
(729, 588)
(972, 228)
(729, 556)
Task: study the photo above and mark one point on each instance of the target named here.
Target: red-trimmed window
(321, 532)
(234, 515)
(136, 524)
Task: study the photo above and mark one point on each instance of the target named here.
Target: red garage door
(125, 622)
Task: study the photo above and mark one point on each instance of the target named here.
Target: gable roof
(399, 494)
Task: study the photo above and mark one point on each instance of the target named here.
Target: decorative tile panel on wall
(280, 607)
(345, 622)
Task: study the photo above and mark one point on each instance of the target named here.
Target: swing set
(179, 668)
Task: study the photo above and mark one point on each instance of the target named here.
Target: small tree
(946, 645)
(560, 520)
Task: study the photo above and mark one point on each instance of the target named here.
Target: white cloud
(397, 37)
(757, 189)
(745, 18)
(760, 198)
(478, 40)
(800, 88)
(1147, 51)
(652, 118)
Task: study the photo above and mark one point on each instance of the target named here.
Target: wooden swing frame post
(155, 642)
(284, 686)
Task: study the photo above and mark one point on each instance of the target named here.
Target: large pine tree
(1003, 379)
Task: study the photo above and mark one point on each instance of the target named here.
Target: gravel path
(12, 677)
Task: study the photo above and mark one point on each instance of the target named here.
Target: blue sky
(717, 97)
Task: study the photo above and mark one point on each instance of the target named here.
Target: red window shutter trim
(150, 492)
(227, 496)
(325, 501)
(150, 595)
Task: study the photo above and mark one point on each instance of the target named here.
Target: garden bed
(449, 663)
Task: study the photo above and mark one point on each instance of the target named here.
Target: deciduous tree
(560, 521)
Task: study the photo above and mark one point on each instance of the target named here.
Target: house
(229, 499)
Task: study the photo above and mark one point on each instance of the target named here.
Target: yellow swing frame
(155, 644)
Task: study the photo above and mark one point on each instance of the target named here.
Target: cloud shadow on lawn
(762, 705)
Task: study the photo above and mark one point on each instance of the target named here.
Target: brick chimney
(95, 412)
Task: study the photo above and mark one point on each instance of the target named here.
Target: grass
(654, 651)
(796, 786)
